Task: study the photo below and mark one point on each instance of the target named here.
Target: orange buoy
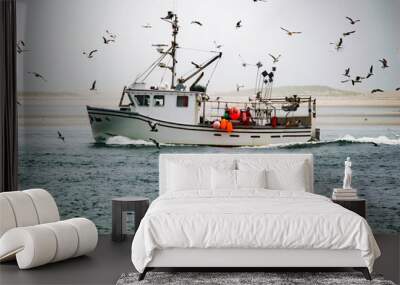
(223, 124)
(229, 127)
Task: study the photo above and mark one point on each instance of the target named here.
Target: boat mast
(174, 45)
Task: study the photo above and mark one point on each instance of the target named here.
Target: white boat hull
(106, 123)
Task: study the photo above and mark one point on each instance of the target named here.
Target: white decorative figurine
(347, 174)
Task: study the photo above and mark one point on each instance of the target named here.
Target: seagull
(344, 81)
(352, 21)
(111, 35)
(93, 88)
(347, 72)
(217, 46)
(155, 142)
(60, 136)
(90, 54)
(195, 64)
(239, 24)
(348, 33)
(397, 89)
(238, 87)
(384, 63)
(259, 1)
(357, 80)
(169, 16)
(197, 23)
(20, 47)
(338, 44)
(376, 90)
(289, 32)
(107, 41)
(275, 58)
(147, 26)
(37, 75)
(371, 72)
(159, 45)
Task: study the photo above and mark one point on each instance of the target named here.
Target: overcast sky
(57, 31)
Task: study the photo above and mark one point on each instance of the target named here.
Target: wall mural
(104, 87)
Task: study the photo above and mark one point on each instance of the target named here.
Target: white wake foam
(383, 140)
(377, 140)
(120, 140)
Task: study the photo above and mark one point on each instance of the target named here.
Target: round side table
(138, 205)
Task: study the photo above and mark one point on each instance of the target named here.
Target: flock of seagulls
(108, 38)
(359, 78)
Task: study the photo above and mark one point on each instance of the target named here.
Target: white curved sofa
(31, 231)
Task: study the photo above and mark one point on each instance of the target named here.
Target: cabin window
(182, 101)
(143, 100)
(159, 100)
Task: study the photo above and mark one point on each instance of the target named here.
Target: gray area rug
(233, 278)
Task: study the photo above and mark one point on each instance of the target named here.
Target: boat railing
(261, 110)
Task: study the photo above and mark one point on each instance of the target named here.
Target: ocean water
(84, 176)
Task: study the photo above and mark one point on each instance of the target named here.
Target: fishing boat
(176, 113)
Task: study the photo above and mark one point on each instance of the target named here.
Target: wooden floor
(111, 259)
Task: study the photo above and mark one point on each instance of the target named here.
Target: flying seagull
(111, 35)
(239, 24)
(93, 88)
(357, 80)
(107, 41)
(169, 16)
(352, 21)
(217, 46)
(20, 47)
(347, 72)
(344, 81)
(371, 72)
(195, 64)
(197, 23)
(259, 1)
(155, 142)
(275, 59)
(37, 75)
(384, 63)
(289, 32)
(398, 89)
(238, 86)
(159, 45)
(90, 54)
(60, 136)
(338, 45)
(376, 90)
(147, 26)
(348, 33)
